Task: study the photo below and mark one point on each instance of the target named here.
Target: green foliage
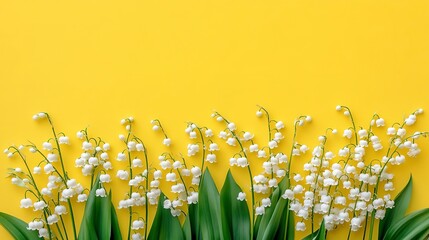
(191, 225)
(165, 226)
(396, 225)
(273, 222)
(17, 228)
(413, 226)
(319, 234)
(99, 219)
(209, 213)
(234, 213)
(395, 214)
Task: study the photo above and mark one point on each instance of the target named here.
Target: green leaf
(274, 223)
(103, 214)
(157, 221)
(187, 228)
(165, 226)
(291, 226)
(412, 226)
(256, 226)
(209, 209)
(193, 220)
(17, 228)
(393, 215)
(287, 232)
(234, 213)
(270, 221)
(319, 234)
(116, 231)
(87, 228)
(311, 235)
(190, 226)
(99, 220)
(265, 219)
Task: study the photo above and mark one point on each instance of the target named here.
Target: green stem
(204, 149)
(371, 229)
(147, 186)
(315, 187)
(288, 172)
(354, 211)
(366, 224)
(35, 187)
(130, 213)
(251, 179)
(72, 218)
(64, 227)
(353, 123)
(269, 137)
(49, 228)
(64, 173)
(130, 193)
(59, 231)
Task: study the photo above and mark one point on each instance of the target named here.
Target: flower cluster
(350, 185)
(50, 201)
(137, 174)
(344, 188)
(95, 155)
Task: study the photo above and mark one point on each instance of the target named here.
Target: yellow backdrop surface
(91, 63)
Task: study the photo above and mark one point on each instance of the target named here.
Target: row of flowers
(348, 186)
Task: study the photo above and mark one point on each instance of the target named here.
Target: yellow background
(91, 63)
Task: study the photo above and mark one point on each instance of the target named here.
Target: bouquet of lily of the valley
(347, 187)
(53, 193)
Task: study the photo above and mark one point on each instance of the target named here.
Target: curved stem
(250, 176)
(353, 123)
(204, 148)
(64, 173)
(371, 229)
(35, 187)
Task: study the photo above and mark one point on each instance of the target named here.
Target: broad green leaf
(234, 213)
(165, 226)
(398, 212)
(291, 226)
(274, 223)
(99, 219)
(209, 209)
(187, 228)
(256, 226)
(286, 231)
(157, 221)
(319, 234)
(193, 220)
(116, 231)
(87, 228)
(413, 226)
(265, 219)
(268, 223)
(423, 234)
(311, 235)
(103, 215)
(191, 224)
(17, 228)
